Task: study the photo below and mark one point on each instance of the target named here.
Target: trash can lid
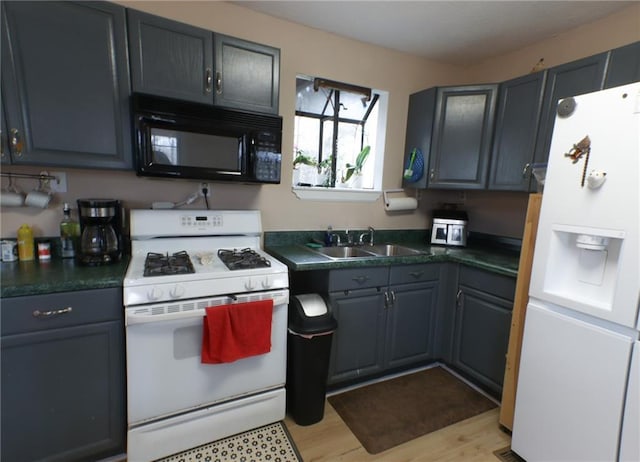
(310, 314)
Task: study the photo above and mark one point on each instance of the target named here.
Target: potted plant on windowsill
(324, 173)
(354, 171)
(303, 165)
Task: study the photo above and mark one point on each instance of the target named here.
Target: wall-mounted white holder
(399, 204)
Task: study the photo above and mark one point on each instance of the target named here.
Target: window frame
(336, 193)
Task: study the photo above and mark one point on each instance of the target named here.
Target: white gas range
(175, 402)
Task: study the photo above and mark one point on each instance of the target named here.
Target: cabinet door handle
(387, 302)
(458, 297)
(46, 314)
(416, 274)
(16, 142)
(361, 279)
(208, 81)
(525, 170)
(218, 82)
(393, 298)
(432, 175)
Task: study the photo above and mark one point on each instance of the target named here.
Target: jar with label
(44, 251)
(25, 243)
(9, 250)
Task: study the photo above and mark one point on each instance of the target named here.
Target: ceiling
(454, 32)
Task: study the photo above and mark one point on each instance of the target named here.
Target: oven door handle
(131, 318)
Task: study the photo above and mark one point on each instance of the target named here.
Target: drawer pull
(46, 314)
(361, 279)
(416, 274)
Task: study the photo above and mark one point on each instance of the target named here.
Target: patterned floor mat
(269, 443)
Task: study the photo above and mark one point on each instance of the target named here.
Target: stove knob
(177, 291)
(267, 283)
(249, 285)
(155, 293)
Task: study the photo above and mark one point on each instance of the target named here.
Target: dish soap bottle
(69, 233)
(25, 243)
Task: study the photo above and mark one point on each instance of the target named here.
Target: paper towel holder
(389, 202)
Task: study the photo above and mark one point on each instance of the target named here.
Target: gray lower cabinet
(462, 134)
(411, 314)
(357, 347)
(482, 324)
(63, 376)
(386, 319)
(571, 79)
(514, 141)
(177, 60)
(65, 84)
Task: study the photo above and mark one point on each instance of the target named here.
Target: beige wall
(309, 51)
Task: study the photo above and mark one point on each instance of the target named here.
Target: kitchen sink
(392, 250)
(371, 251)
(344, 252)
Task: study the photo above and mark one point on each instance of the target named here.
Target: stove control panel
(202, 221)
(140, 295)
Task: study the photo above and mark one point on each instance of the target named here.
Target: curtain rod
(333, 84)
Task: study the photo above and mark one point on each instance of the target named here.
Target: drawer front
(485, 281)
(54, 311)
(358, 278)
(405, 274)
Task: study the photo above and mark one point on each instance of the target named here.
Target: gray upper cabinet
(169, 58)
(517, 118)
(177, 60)
(571, 79)
(5, 156)
(247, 75)
(65, 84)
(462, 133)
(419, 129)
(624, 66)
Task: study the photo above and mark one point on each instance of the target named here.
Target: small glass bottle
(69, 233)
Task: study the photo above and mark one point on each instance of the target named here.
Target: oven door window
(195, 150)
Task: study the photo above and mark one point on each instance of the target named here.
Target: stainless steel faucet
(363, 235)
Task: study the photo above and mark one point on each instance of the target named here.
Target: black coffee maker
(100, 231)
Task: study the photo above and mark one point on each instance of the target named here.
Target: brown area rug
(389, 413)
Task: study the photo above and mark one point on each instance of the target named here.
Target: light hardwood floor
(472, 440)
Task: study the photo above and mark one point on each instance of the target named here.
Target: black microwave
(179, 139)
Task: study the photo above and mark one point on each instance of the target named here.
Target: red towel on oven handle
(236, 331)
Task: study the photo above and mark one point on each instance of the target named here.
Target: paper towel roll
(400, 203)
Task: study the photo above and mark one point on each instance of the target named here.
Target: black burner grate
(242, 259)
(159, 264)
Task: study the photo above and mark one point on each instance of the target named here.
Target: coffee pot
(101, 228)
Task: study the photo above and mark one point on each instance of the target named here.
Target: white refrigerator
(578, 389)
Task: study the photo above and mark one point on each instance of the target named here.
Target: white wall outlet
(59, 185)
(202, 186)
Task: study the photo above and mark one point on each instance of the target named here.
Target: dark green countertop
(35, 278)
(301, 258)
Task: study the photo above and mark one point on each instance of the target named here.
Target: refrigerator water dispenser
(582, 269)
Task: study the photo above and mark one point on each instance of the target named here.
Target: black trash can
(311, 327)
